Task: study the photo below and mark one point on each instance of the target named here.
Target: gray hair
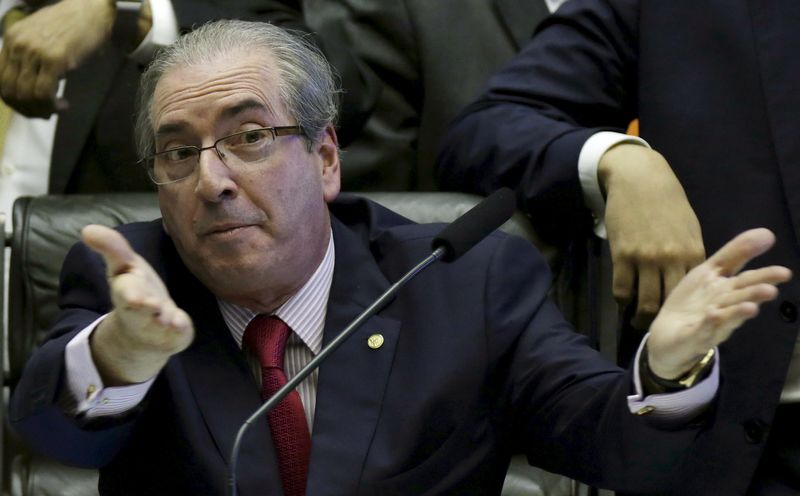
(306, 84)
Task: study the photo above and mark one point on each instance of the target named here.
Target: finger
(25, 90)
(649, 301)
(8, 81)
(4, 58)
(622, 282)
(725, 320)
(181, 320)
(737, 252)
(110, 244)
(15, 54)
(174, 318)
(43, 89)
(672, 276)
(130, 292)
(773, 274)
(757, 293)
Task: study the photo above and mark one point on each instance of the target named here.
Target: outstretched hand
(711, 302)
(145, 327)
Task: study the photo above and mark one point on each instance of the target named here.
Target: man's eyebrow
(227, 113)
(171, 128)
(244, 105)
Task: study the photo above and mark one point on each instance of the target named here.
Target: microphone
(465, 232)
(450, 244)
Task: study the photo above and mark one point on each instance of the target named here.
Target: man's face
(252, 233)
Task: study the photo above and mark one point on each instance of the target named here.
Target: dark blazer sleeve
(34, 411)
(569, 407)
(574, 78)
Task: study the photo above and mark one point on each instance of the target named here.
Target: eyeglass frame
(276, 131)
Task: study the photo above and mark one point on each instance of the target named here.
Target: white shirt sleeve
(588, 161)
(90, 398)
(673, 406)
(164, 31)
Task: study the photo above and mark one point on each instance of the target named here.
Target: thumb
(110, 244)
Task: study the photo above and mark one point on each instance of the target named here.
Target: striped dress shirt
(305, 314)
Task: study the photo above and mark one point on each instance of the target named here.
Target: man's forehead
(227, 86)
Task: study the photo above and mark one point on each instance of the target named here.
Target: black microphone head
(465, 232)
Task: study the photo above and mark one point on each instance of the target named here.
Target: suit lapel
(353, 380)
(521, 17)
(226, 393)
(85, 91)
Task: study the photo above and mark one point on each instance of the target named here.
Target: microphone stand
(381, 302)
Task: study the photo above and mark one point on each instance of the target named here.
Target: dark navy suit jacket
(477, 364)
(714, 84)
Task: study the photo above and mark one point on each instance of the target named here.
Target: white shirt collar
(304, 312)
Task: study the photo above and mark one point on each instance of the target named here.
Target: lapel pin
(375, 341)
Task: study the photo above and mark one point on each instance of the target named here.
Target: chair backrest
(44, 228)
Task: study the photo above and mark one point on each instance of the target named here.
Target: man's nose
(215, 180)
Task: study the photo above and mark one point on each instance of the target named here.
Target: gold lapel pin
(375, 341)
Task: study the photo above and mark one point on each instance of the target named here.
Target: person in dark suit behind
(432, 59)
(144, 374)
(100, 47)
(712, 84)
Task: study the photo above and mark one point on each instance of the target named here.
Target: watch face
(699, 371)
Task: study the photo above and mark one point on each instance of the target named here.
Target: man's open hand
(711, 302)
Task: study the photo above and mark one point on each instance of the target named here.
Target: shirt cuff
(681, 405)
(588, 161)
(90, 399)
(163, 32)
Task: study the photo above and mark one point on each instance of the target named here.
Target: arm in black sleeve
(574, 78)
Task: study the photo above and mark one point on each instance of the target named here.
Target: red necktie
(266, 336)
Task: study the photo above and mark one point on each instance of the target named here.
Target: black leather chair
(43, 230)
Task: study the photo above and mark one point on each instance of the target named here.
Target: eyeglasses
(246, 147)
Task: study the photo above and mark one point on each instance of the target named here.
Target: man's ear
(328, 151)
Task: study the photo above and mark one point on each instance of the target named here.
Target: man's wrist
(588, 163)
(654, 384)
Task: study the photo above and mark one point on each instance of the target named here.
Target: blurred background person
(714, 87)
(432, 58)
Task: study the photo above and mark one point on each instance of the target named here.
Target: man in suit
(712, 84)
(101, 49)
(144, 373)
(432, 59)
